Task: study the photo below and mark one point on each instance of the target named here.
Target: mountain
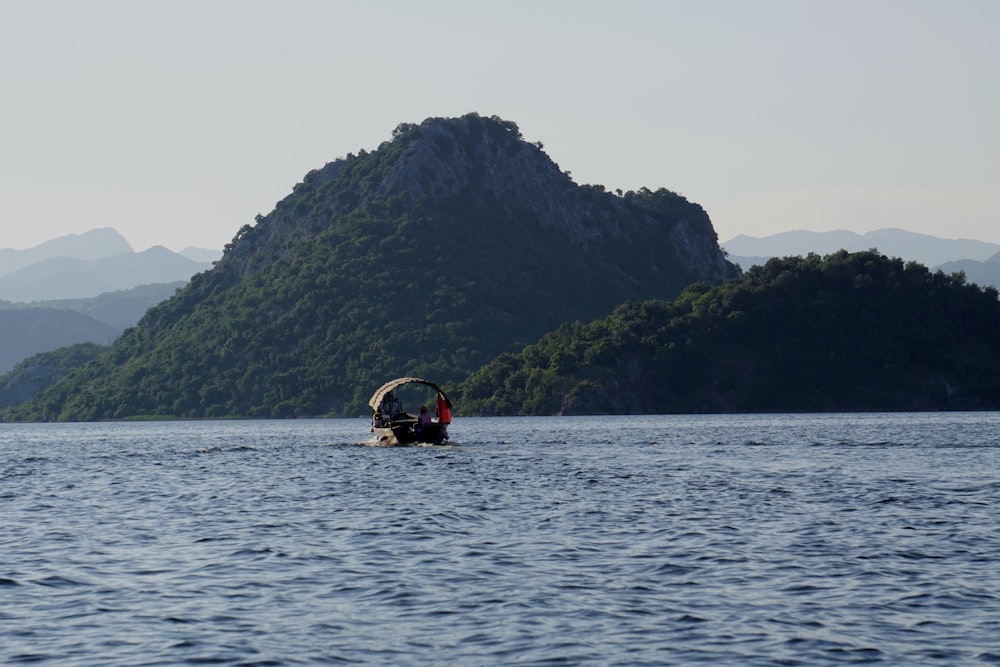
(848, 332)
(928, 250)
(985, 273)
(25, 324)
(29, 331)
(43, 370)
(119, 309)
(453, 242)
(72, 278)
(95, 244)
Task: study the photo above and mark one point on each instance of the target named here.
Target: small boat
(392, 425)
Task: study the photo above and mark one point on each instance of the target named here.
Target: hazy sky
(176, 122)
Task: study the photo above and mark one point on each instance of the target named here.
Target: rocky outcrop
(485, 162)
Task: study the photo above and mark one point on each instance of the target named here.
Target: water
(736, 540)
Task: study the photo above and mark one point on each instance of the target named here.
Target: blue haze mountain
(981, 273)
(74, 278)
(42, 370)
(90, 245)
(119, 309)
(930, 251)
(28, 331)
(85, 287)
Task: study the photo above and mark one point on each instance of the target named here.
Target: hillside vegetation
(452, 243)
(844, 332)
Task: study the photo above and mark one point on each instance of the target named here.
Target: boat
(392, 425)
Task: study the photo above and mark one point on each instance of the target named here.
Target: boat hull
(406, 434)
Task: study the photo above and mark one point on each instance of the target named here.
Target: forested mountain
(842, 333)
(453, 242)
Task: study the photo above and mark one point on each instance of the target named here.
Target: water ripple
(752, 540)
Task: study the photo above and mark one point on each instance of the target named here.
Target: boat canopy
(376, 400)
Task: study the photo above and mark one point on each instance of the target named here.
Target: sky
(176, 122)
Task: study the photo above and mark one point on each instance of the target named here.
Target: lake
(653, 540)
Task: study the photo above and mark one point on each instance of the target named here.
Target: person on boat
(377, 421)
(425, 418)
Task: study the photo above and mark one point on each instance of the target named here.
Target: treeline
(845, 332)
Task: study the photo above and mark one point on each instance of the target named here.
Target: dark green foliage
(452, 243)
(842, 333)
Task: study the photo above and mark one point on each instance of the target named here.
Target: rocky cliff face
(492, 160)
(486, 163)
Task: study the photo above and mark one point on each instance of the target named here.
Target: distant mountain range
(84, 288)
(979, 260)
(119, 309)
(981, 273)
(85, 265)
(42, 370)
(30, 331)
(27, 329)
(95, 244)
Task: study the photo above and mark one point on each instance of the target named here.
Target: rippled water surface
(745, 540)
